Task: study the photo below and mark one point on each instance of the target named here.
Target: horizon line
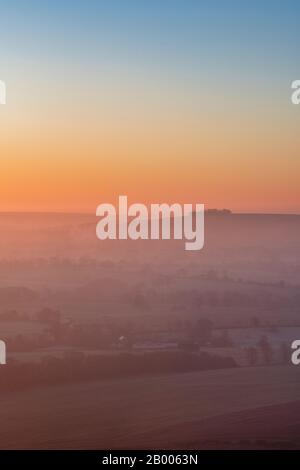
(225, 212)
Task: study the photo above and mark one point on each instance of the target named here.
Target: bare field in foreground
(162, 411)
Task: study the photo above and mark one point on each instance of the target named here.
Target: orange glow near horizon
(189, 104)
(63, 160)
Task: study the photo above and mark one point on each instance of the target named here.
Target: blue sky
(234, 45)
(181, 31)
(215, 75)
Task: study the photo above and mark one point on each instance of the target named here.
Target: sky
(174, 101)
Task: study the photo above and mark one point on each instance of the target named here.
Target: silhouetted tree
(284, 353)
(252, 356)
(202, 331)
(266, 349)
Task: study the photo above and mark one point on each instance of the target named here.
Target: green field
(162, 411)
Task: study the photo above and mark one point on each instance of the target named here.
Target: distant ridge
(91, 214)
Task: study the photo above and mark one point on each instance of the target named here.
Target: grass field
(163, 411)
